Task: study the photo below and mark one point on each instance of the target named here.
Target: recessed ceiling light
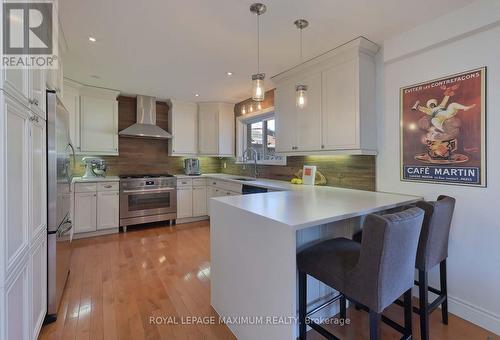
(92, 39)
(229, 73)
(197, 95)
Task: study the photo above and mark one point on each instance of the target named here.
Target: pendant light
(301, 89)
(258, 91)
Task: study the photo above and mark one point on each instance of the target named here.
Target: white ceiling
(176, 48)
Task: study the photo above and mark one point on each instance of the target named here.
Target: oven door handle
(145, 191)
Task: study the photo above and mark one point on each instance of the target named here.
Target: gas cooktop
(146, 176)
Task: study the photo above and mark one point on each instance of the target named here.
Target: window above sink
(258, 131)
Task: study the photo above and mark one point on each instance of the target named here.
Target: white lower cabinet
(96, 206)
(38, 285)
(184, 202)
(191, 198)
(200, 201)
(15, 309)
(85, 212)
(108, 213)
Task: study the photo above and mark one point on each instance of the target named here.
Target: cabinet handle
(108, 186)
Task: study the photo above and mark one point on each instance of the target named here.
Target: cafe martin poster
(443, 130)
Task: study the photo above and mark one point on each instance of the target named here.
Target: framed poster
(443, 130)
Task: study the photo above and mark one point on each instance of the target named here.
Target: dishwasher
(251, 189)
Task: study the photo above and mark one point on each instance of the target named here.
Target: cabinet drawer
(184, 182)
(225, 185)
(85, 187)
(108, 186)
(199, 182)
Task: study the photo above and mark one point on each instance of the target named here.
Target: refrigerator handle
(74, 161)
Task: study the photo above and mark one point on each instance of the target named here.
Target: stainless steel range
(147, 198)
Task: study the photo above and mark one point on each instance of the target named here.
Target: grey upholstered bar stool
(433, 250)
(373, 273)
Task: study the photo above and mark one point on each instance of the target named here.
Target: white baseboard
(474, 314)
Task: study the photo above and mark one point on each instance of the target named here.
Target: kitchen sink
(244, 179)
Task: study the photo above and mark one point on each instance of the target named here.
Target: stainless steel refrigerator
(59, 177)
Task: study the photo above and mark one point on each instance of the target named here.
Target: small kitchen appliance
(94, 167)
(192, 166)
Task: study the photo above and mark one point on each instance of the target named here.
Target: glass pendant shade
(301, 96)
(258, 92)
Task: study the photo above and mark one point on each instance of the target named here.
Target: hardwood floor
(118, 282)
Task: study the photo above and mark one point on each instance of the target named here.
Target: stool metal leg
(375, 331)
(343, 305)
(302, 305)
(408, 313)
(423, 290)
(444, 291)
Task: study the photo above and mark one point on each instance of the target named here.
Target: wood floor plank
(119, 282)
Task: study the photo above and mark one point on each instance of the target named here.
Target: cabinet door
(85, 212)
(37, 92)
(16, 83)
(108, 214)
(309, 118)
(38, 285)
(200, 201)
(285, 115)
(38, 181)
(17, 159)
(98, 125)
(184, 122)
(17, 306)
(340, 109)
(226, 131)
(184, 202)
(71, 101)
(208, 126)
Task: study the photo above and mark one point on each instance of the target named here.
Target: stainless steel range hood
(145, 127)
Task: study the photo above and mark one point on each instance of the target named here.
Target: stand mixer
(94, 167)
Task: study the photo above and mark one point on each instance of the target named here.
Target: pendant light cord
(301, 45)
(258, 43)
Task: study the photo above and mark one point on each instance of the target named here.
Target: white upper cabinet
(71, 101)
(15, 146)
(38, 92)
(309, 118)
(98, 121)
(216, 129)
(183, 125)
(340, 116)
(16, 83)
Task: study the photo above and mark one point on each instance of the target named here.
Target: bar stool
(433, 250)
(373, 274)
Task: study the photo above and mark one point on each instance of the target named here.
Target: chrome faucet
(245, 158)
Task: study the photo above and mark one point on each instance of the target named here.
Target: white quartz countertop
(301, 206)
(96, 179)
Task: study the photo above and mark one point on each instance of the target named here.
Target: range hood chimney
(145, 127)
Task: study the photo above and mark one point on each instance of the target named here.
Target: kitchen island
(254, 242)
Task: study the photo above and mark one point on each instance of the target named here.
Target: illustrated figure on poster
(440, 113)
(442, 128)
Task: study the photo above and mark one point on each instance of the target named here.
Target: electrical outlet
(225, 165)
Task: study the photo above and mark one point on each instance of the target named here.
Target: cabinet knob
(322, 146)
(95, 195)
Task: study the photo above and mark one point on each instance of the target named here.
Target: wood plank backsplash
(356, 172)
(144, 156)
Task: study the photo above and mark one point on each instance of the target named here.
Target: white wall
(474, 250)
